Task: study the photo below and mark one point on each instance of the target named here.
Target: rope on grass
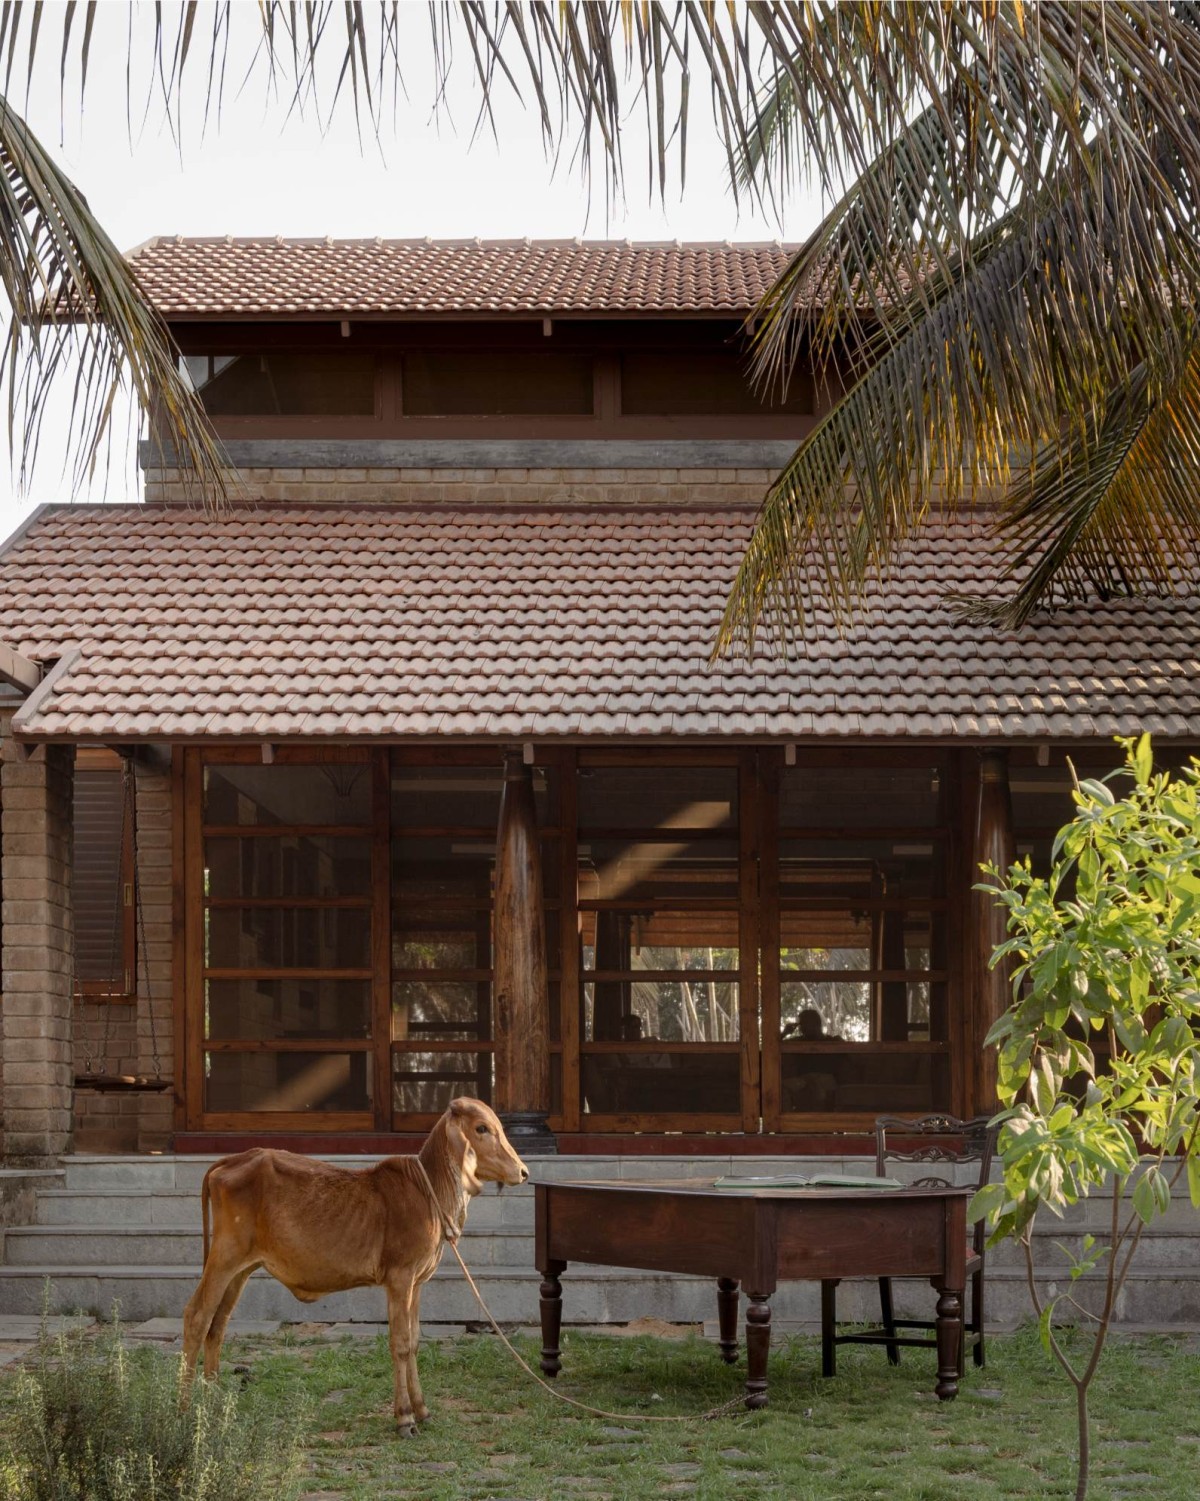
(451, 1237)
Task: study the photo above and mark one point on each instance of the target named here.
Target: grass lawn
(874, 1431)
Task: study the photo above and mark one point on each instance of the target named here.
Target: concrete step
(171, 1245)
(491, 1242)
(591, 1295)
(180, 1208)
(186, 1172)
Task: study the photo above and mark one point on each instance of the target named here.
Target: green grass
(874, 1431)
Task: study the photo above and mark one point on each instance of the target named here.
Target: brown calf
(320, 1229)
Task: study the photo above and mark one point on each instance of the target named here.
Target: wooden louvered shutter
(102, 879)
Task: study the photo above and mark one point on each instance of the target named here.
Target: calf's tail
(204, 1196)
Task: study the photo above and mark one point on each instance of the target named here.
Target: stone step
(164, 1173)
(169, 1245)
(105, 1243)
(591, 1295)
(180, 1208)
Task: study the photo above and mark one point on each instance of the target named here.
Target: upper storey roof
(278, 277)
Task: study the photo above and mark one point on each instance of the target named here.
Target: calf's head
(477, 1138)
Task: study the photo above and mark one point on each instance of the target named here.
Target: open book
(817, 1180)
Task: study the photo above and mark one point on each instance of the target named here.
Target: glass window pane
(661, 1082)
(290, 1082)
(288, 938)
(824, 797)
(493, 383)
(629, 941)
(704, 382)
(460, 867)
(618, 869)
(262, 1009)
(418, 1005)
(427, 1082)
(859, 868)
(442, 949)
(703, 1010)
(290, 865)
(462, 796)
(658, 797)
(821, 1011)
(292, 384)
(843, 1081)
(334, 792)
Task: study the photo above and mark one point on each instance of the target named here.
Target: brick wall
(135, 1122)
(38, 951)
(492, 487)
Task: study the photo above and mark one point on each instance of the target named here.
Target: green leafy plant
(1099, 1054)
(94, 1421)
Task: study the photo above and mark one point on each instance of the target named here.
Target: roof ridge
(472, 241)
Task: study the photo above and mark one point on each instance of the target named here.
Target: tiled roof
(280, 277)
(319, 621)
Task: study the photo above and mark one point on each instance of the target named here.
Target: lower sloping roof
(291, 621)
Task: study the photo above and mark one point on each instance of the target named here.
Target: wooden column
(994, 844)
(521, 1004)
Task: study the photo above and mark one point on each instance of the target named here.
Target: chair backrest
(937, 1139)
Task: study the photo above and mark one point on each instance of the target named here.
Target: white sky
(262, 174)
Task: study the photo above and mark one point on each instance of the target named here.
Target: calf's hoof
(406, 1427)
(422, 1414)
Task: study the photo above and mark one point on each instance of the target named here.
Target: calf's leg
(216, 1330)
(420, 1411)
(201, 1310)
(400, 1298)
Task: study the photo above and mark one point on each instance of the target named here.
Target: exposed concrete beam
(20, 671)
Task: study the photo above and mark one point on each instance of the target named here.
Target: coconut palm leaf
(1020, 350)
(79, 316)
(1112, 510)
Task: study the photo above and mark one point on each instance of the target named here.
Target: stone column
(519, 989)
(994, 844)
(38, 952)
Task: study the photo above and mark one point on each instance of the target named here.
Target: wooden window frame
(946, 835)
(197, 973)
(94, 758)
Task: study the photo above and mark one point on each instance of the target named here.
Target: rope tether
(451, 1238)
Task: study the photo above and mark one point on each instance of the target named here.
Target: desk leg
(551, 1317)
(758, 1346)
(727, 1313)
(949, 1341)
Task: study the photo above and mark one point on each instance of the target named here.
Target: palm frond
(1112, 511)
(1023, 345)
(79, 315)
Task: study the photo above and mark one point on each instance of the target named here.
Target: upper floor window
(284, 383)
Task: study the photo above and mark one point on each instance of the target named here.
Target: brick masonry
(485, 487)
(38, 952)
(135, 1122)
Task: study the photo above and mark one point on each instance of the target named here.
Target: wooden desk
(755, 1241)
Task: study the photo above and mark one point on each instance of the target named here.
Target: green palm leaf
(79, 316)
(1114, 510)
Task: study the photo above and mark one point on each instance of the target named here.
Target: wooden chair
(928, 1139)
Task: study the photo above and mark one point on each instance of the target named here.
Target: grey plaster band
(491, 453)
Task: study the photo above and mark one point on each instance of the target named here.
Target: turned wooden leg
(727, 1314)
(949, 1342)
(552, 1318)
(888, 1315)
(758, 1347)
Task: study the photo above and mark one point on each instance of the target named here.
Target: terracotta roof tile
(276, 622)
(277, 277)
